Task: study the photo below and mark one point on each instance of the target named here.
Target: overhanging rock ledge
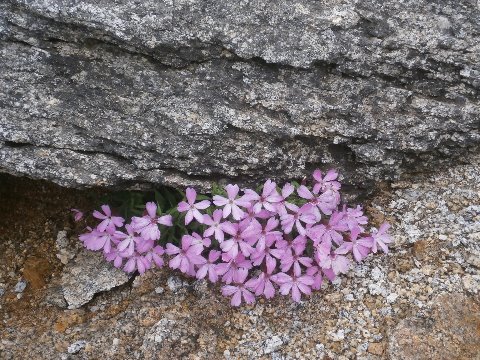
(185, 92)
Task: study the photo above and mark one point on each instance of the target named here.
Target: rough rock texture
(419, 302)
(113, 92)
(88, 275)
(455, 321)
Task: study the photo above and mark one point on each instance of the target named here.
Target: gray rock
(272, 344)
(127, 92)
(88, 275)
(450, 331)
(164, 329)
(471, 283)
(166, 335)
(54, 296)
(159, 290)
(20, 286)
(200, 287)
(76, 347)
(66, 251)
(174, 283)
(62, 240)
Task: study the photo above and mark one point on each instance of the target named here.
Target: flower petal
(183, 206)
(191, 195)
(151, 209)
(202, 205)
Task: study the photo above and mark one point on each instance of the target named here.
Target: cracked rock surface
(185, 92)
(87, 275)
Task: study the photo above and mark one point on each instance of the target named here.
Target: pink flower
(116, 256)
(323, 249)
(332, 231)
(109, 222)
(137, 262)
(143, 245)
(155, 255)
(288, 248)
(353, 217)
(325, 202)
(96, 240)
(303, 214)
(258, 240)
(197, 239)
(230, 266)
(316, 273)
(187, 256)
(326, 183)
(77, 214)
(267, 254)
(295, 285)
(283, 205)
(259, 234)
(209, 267)
(239, 291)
(295, 260)
(238, 242)
(262, 285)
(381, 238)
(359, 247)
(337, 262)
(147, 225)
(86, 236)
(268, 200)
(216, 227)
(127, 241)
(249, 214)
(315, 232)
(191, 208)
(231, 205)
(329, 273)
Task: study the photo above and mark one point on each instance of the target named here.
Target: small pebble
(339, 335)
(391, 298)
(272, 344)
(20, 286)
(174, 283)
(76, 347)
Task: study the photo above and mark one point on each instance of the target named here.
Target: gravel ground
(421, 301)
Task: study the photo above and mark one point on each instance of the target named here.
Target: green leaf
(295, 184)
(217, 189)
(161, 202)
(171, 200)
(203, 197)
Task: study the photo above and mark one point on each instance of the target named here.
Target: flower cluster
(285, 240)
